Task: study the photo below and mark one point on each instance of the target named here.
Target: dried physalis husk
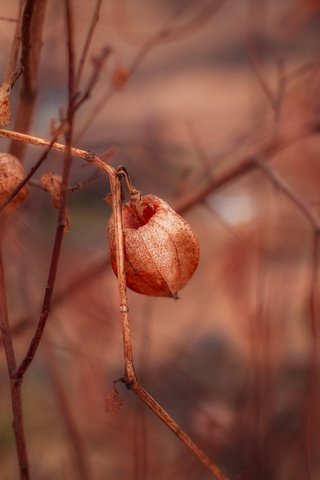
(11, 174)
(5, 111)
(52, 183)
(161, 251)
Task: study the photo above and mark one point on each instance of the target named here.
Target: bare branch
(169, 32)
(86, 46)
(14, 51)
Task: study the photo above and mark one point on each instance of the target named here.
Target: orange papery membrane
(161, 251)
(11, 174)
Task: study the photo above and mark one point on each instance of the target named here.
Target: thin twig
(71, 63)
(168, 32)
(313, 367)
(270, 95)
(276, 179)
(98, 64)
(174, 427)
(84, 54)
(26, 44)
(15, 45)
(164, 34)
(8, 19)
(40, 142)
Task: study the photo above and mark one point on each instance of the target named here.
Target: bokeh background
(190, 91)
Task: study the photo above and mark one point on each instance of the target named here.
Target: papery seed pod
(11, 174)
(161, 251)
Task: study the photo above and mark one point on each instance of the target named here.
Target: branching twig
(98, 64)
(167, 33)
(164, 34)
(285, 188)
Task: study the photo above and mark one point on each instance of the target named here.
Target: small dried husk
(52, 183)
(11, 174)
(161, 251)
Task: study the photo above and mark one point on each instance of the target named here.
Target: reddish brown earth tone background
(232, 359)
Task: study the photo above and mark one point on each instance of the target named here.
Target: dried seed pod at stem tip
(161, 252)
(11, 174)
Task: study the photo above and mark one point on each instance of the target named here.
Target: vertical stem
(313, 369)
(122, 286)
(62, 214)
(14, 386)
(85, 50)
(14, 51)
(47, 297)
(31, 45)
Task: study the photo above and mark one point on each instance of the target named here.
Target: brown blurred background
(235, 359)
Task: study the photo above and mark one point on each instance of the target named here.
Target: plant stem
(14, 51)
(40, 142)
(314, 355)
(15, 387)
(31, 45)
